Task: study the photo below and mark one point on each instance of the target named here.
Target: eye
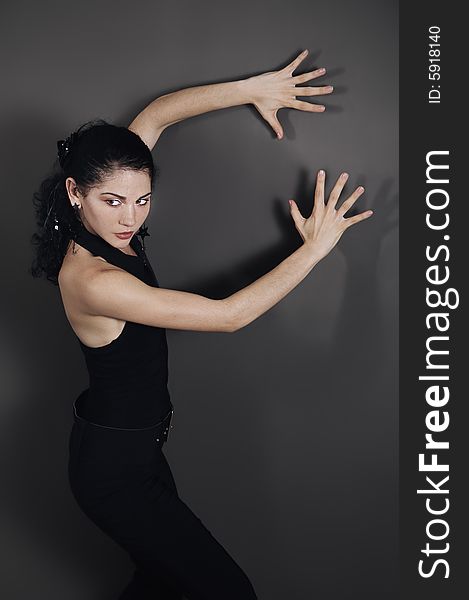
(141, 201)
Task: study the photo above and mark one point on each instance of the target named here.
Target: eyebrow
(123, 197)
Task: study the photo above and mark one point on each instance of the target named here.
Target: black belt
(161, 429)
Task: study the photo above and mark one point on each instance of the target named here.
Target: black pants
(122, 481)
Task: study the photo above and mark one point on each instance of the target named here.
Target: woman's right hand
(324, 227)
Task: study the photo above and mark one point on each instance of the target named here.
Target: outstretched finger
(319, 190)
(295, 63)
(347, 204)
(308, 76)
(308, 106)
(357, 218)
(336, 190)
(272, 120)
(313, 91)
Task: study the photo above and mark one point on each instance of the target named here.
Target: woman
(90, 213)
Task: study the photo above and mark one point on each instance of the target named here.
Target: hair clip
(64, 147)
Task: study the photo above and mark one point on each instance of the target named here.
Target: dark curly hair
(89, 155)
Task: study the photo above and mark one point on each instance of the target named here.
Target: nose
(128, 217)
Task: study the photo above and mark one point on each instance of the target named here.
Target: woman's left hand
(277, 89)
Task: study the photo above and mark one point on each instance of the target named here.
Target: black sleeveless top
(127, 377)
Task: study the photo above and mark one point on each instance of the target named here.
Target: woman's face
(119, 205)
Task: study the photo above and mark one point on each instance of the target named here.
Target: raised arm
(115, 293)
(268, 92)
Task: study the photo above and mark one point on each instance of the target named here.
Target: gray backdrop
(296, 471)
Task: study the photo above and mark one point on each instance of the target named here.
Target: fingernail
(321, 173)
(361, 189)
(330, 88)
(322, 108)
(304, 52)
(290, 202)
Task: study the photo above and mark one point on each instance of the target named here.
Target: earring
(76, 208)
(73, 231)
(143, 232)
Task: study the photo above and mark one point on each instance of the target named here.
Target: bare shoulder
(91, 286)
(77, 269)
(99, 293)
(73, 279)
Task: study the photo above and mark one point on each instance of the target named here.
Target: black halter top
(127, 377)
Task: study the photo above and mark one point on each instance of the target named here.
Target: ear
(73, 192)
